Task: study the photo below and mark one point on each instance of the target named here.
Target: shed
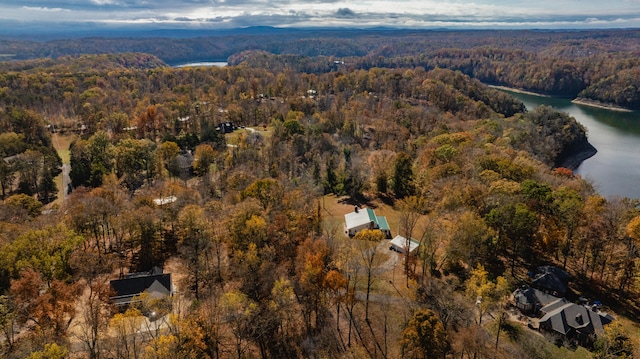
(401, 244)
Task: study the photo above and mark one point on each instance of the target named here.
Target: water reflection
(615, 169)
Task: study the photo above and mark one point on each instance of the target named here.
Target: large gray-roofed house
(573, 320)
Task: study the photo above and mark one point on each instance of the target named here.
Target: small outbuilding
(403, 245)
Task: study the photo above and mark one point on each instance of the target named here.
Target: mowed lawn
(233, 138)
(61, 144)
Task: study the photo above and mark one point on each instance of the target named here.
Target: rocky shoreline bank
(577, 156)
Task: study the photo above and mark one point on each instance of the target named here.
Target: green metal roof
(382, 223)
(371, 214)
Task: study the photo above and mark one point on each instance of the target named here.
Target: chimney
(355, 209)
(579, 318)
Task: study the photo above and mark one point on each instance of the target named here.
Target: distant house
(403, 245)
(226, 127)
(573, 321)
(164, 200)
(552, 279)
(365, 218)
(155, 283)
(11, 159)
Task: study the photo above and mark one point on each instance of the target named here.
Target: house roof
(361, 217)
(10, 159)
(552, 278)
(563, 316)
(532, 296)
(165, 200)
(402, 242)
(558, 272)
(382, 223)
(136, 283)
(157, 290)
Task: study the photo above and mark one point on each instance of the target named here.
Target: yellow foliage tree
(485, 292)
(50, 351)
(424, 336)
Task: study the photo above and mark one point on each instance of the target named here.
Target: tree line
(596, 65)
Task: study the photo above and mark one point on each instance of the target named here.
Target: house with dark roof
(226, 127)
(552, 280)
(154, 283)
(582, 323)
(573, 320)
(11, 159)
(530, 300)
(365, 218)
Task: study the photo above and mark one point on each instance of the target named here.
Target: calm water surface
(615, 169)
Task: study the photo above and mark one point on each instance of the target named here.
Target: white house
(165, 200)
(365, 218)
(401, 245)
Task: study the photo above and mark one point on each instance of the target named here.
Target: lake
(204, 63)
(615, 169)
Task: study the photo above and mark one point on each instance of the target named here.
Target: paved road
(66, 181)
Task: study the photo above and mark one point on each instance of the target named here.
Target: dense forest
(596, 65)
(250, 222)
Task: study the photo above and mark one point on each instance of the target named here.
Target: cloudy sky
(312, 13)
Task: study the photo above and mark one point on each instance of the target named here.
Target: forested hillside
(598, 65)
(250, 221)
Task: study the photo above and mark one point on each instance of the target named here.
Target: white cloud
(359, 13)
(105, 2)
(45, 9)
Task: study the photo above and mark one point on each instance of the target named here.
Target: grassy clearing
(61, 144)
(233, 138)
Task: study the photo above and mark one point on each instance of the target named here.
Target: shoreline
(516, 90)
(578, 100)
(575, 159)
(593, 103)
